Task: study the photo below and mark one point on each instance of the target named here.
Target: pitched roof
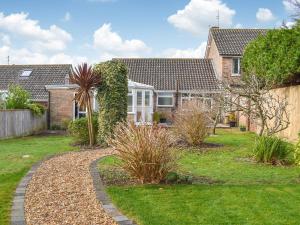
(234, 41)
(163, 73)
(40, 76)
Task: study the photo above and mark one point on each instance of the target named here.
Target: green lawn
(250, 193)
(13, 164)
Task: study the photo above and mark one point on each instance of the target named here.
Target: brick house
(33, 78)
(225, 47)
(155, 84)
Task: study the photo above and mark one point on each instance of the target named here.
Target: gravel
(61, 192)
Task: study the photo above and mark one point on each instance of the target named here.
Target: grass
(13, 164)
(250, 193)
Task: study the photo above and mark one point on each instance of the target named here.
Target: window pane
(165, 94)
(129, 103)
(165, 101)
(235, 66)
(147, 98)
(139, 98)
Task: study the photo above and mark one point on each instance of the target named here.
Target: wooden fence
(17, 123)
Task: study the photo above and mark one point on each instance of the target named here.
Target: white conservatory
(140, 102)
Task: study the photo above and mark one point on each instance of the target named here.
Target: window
(129, 101)
(165, 99)
(236, 66)
(147, 98)
(25, 73)
(201, 99)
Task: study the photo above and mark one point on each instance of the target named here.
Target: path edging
(102, 197)
(18, 206)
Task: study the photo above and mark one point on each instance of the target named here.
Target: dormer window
(236, 66)
(25, 73)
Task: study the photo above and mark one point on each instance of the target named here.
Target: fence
(16, 123)
(292, 93)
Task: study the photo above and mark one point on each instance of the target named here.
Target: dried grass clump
(191, 123)
(144, 150)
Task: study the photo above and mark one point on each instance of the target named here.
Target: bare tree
(254, 98)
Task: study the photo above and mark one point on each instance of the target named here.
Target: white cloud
(289, 6)
(198, 15)
(18, 24)
(25, 56)
(5, 39)
(290, 24)
(186, 53)
(110, 44)
(67, 17)
(238, 26)
(264, 15)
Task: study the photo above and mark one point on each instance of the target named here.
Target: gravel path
(61, 192)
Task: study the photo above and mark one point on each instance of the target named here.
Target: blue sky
(71, 31)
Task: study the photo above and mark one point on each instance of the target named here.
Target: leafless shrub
(191, 123)
(144, 150)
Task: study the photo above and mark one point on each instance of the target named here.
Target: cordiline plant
(86, 79)
(144, 150)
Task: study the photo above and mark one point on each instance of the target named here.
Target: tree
(254, 98)
(274, 57)
(84, 76)
(112, 97)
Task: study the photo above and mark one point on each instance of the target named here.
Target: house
(155, 84)
(33, 78)
(225, 47)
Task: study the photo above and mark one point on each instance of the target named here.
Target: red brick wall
(61, 106)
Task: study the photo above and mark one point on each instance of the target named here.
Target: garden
(188, 173)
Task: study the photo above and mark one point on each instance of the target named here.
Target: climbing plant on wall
(112, 97)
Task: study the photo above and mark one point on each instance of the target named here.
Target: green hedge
(78, 129)
(112, 97)
(274, 57)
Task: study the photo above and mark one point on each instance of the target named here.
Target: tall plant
(86, 79)
(112, 97)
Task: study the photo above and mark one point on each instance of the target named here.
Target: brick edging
(102, 197)
(17, 216)
(18, 206)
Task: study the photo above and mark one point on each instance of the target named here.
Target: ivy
(112, 97)
(274, 57)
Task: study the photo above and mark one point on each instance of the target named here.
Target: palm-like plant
(86, 79)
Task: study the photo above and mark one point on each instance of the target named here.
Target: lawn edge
(103, 197)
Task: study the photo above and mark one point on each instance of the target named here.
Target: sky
(76, 31)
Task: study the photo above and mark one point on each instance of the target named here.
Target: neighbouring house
(33, 78)
(225, 47)
(155, 84)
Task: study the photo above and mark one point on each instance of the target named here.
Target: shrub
(17, 97)
(36, 109)
(78, 129)
(297, 153)
(271, 149)
(112, 97)
(191, 123)
(144, 150)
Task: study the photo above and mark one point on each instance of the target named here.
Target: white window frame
(78, 112)
(130, 93)
(203, 98)
(166, 95)
(239, 67)
(4, 92)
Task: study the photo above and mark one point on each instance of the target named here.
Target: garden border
(18, 206)
(104, 199)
